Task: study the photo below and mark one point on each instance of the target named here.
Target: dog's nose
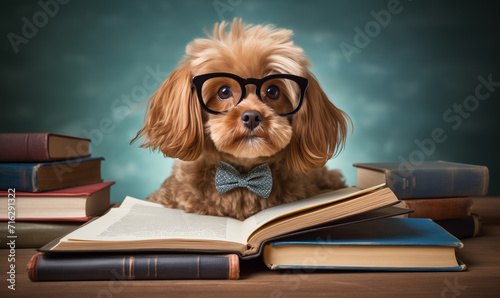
(251, 118)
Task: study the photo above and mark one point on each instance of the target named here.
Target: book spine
(48, 267)
(434, 183)
(22, 178)
(462, 227)
(439, 208)
(26, 147)
(36, 234)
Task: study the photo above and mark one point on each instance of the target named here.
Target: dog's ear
(319, 130)
(173, 122)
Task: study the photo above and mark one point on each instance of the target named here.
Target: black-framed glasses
(220, 92)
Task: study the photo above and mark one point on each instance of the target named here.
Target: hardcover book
(40, 147)
(438, 208)
(431, 179)
(35, 234)
(68, 204)
(36, 177)
(50, 267)
(127, 227)
(462, 227)
(394, 244)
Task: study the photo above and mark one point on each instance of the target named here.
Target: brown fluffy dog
(296, 147)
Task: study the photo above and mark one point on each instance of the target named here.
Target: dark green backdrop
(406, 72)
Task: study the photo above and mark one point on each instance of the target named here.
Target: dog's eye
(224, 92)
(273, 92)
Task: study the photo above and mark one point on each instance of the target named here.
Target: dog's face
(249, 124)
(253, 121)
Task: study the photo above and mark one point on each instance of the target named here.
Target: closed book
(40, 147)
(438, 208)
(68, 204)
(462, 227)
(393, 244)
(432, 179)
(57, 267)
(37, 177)
(34, 234)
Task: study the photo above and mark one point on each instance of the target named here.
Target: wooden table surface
(480, 254)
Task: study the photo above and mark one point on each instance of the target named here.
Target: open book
(140, 225)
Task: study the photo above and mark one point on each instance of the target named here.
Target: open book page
(261, 218)
(140, 220)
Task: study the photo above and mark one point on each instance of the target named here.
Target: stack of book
(438, 190)
(347, 229)
(49, 186)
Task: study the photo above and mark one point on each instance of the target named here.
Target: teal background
(83, 70)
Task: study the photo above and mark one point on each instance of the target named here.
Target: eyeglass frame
(199, 80)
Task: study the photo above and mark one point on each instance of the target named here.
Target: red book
(40, 147)
(439, 208)
(69, 204)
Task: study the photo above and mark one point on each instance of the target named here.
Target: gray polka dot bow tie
(259, 180)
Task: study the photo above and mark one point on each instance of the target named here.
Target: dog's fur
(296, 147)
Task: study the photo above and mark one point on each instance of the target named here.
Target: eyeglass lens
(223, 93)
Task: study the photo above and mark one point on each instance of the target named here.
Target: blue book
(391, 244)
(432, 179)
(36, 177)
